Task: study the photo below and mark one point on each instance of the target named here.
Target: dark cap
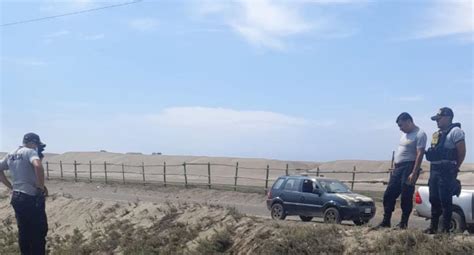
(32, 138)
(445, 111)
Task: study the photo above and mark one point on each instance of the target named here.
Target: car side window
(289, 184)
(292, 184)
(308, 186)
(278, 184)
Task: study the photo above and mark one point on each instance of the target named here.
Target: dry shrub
(298, 239)
(415, 242)
(8, 238)
(219, 242)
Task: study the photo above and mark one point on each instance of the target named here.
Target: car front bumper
(357, 212)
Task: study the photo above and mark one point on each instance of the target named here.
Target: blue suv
(310, 197)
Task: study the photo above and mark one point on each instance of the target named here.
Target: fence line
(186, 176)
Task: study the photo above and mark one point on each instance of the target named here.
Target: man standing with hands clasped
(28, 193)
(402, 181)
(446, 154)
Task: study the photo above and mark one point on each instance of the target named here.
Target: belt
(406, 163)
(440, 162)
(19, 193)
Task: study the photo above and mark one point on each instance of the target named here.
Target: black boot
(384, 224)
(445, 229)
(433, 229)
(403, 224)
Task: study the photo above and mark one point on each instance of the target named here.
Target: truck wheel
(458, 224)
(331, 215)
(360, 222)
(306, 218)
(278, 212)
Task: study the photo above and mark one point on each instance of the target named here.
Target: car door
(310, 203)
(291, 196)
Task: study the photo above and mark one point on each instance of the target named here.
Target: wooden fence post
(185, 176)
(61, 168)
(164, 173)
(143, 171)
(209, 174)
(105, 171)
(317, 171)
(353, 178)
(90, 171)
(236, 175)
(286, 170)
(266, 179)
(123, 173)
(75, 171)
(47, 170)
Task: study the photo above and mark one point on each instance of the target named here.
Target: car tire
(306, 218)
(360, 222)
(278, 212)
(458, 224)
(332, 216)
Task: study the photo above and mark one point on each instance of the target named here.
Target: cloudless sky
(291, 80)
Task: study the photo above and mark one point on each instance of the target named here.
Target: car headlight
(351, 203)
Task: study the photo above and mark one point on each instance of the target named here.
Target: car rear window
(278, 184)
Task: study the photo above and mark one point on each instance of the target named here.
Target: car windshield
(334, 186)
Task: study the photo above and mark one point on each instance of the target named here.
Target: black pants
(32, 222)
(396, 186)
(441, 184)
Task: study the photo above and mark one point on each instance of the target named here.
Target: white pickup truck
(463, 209)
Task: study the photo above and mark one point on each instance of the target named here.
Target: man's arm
(5, 181)
(420, 152)
(461, 149)
(39, 170)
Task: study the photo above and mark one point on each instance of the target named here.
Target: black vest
(437, 151)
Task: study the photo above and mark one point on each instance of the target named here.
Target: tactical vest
(437, 151)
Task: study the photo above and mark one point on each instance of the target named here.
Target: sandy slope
(88, 215)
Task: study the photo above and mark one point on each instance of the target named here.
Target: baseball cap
(445, 111)
(32, 138)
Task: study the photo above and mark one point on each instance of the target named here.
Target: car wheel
(331, 215)
(306, 218)
(458, 224)
(360, 222)
(278, 212)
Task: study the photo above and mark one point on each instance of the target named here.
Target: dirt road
(248, 203)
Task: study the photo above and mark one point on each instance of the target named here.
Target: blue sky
(291, 80)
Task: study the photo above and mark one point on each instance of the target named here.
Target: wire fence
(203, 174)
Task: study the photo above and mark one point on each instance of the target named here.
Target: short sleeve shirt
(408, 145)
(455, 135)
(20, 164)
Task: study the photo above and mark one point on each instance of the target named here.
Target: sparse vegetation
(8, 238)
(314, 239)
(415, 242)
(220, 242)
(227, 231)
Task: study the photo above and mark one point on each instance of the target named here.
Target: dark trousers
(32, 222)
(441, 185)
(396, 186)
